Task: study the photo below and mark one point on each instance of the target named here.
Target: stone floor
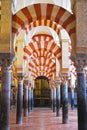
(44, 119)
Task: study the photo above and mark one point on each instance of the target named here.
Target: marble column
(11, 97)
(32, 98)
(54, 99)
(64, 101)
(72, 98)
(51, 98)
(6, 62)
(29, 98)
(57, 98)
(80, 63)
(19, 99)
(0, 94)
(26, 98)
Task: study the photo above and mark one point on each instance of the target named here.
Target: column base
(26, 113)
(5, 128)
(65, 121)
(57, 113)
(19, 122)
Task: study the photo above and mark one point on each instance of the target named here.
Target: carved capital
(57, 83)
(26, 83)
(64, 77)
(20, 76)
(6, 60)
(80, 62)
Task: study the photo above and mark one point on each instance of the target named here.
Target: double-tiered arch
(43, 51)
(44, 15)
(47, 12)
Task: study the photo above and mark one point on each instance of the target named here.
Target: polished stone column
(80, 62)
(72, 98)
(6, 62)
(29, 99)
(57, 98)
(26, 98)
(0, 95)
(11, 97)
(64, 101)
(54, 99)
(32, 98)
(0, 102)
(51, 98)
(19, 99)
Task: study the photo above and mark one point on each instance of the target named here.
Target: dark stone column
(6, 61)
(0, 95)
(29, 99)
(54, 99)
(82, 103)
(11, 97)
(19, 99)
(64, 102)
(57, 99)
(32, 98)
(80, 62)
(26, 98)
(72, 98)
(51, 98)
(5, 100)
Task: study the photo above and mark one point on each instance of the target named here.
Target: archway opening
(42, 92)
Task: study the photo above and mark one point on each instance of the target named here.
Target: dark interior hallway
(44, 119)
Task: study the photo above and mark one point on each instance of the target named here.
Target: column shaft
(0, 102)
(72, 98)
(5, 100)
(58, 101)
(54, 99)
(29, 99)
(32, 99)
(26, 101)
(19, 102)
(82, 102)
(51, 98)
(65, 103)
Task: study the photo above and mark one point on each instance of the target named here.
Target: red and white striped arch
(41, 65)
(42, 50)
(40, 12)
(42, 42)
(42, 56)
(42, 70)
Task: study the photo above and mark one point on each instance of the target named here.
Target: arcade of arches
(43, 58)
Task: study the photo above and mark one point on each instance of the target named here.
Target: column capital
(26, 83)
(57, 82)
(6, 60)
(80, 62)
(64, 77)
(20, 76)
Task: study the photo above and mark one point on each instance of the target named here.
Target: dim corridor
(44, 119)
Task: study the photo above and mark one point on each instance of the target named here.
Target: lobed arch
(47, 12)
